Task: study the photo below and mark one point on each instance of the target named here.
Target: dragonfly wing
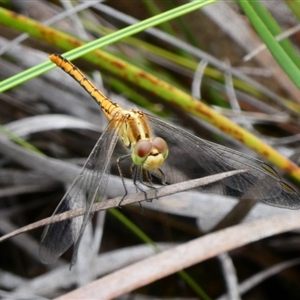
(88, 187)
(198, 157)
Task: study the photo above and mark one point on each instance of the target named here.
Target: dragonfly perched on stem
(157, 150)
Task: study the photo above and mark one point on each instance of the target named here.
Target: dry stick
(133, 198)
(183, 256)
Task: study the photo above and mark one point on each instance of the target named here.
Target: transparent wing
(192, 157)
(88, 187)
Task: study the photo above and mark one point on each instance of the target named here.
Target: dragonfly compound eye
(142, 148)
(140, 152)
(161, 146)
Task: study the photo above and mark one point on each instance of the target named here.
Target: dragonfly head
(150, 155)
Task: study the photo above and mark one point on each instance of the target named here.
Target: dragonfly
(159, 151)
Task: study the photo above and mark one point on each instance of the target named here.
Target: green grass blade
(275, 29)
(275, 48)
(104, 41)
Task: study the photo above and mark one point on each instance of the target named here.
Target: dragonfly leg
(138, 174)
(159, 175)
(121, 158)
(141, 177)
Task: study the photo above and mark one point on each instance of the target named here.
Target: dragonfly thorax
(135, 133)
(134, 127)
(150, 154)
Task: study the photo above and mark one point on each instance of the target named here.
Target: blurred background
(201, 54)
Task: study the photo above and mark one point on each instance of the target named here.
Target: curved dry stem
(183, 256)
